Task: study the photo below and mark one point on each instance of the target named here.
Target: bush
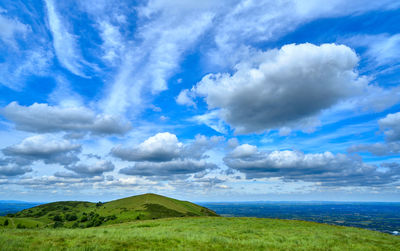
(6, 222)
(58, 224)
(110, 217)
(71, 217)
(84, 218)
(20, 226)
(57, 218)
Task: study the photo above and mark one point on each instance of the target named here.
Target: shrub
(71, 217)
(6, 222)
(58, 224)
(84, 218)
(20, 226)
(57, 218)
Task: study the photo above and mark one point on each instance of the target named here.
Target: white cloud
(285, 87)
(48, 148)
(113, 43)
(160, 147)
(212, 120)
(65, 44)
(168, 168)
(246, 22)
(43, 118)
(381, 49)
(378, 149)
(10, 29)
(391, 126)
(166, 147)
(42, 145)
(90, 170)
(327, 168)
(14, 167)
(162, 39)
(163, 155)
(185, 99)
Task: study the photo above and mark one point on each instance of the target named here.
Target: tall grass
(205, 233)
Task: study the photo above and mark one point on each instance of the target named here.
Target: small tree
(6, 222)
(57, 218)
(84, 218)
(71, 217)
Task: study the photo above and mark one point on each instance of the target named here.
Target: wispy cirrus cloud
(65, 44)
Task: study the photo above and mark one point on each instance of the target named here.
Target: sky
(236, 100)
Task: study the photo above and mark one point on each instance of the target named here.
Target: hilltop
(87, 214)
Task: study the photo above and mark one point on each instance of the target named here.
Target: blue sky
(204, 101)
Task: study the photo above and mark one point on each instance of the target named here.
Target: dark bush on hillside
(58, 224)
(5, 222)
(84, 218)
(57, 218)
(111, 217)
(71, 217)
(20, 226)
(99, 204)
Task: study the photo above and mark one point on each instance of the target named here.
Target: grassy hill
(201, 233)
(86, 214)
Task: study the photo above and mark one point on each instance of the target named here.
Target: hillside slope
(201, 233)
(87, 214)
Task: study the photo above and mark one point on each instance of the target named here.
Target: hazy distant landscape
(383, 217)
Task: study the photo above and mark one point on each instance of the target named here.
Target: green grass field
(201, 233)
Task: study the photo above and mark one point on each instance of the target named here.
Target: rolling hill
(86, 214)
(154, 222)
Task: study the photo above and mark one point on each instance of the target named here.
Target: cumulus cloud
(185, 98)
(14, 166)
(282, 87)
(391, 126)
(90, 170)
(47, 148)
(168, 168)
(244, 23)
(163, 155)
(326, 168)
(165, 147)
(43, 118)
(47, 183)
(161, 147)
(378, 149)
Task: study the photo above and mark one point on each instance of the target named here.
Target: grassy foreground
(201, 233)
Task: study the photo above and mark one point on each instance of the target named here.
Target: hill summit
(87, 214)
